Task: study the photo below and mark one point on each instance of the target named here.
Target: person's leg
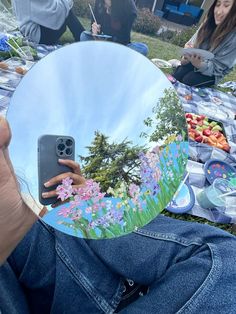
(189, 268)
(198, 80)
(182, 70)
(50, 272)
(12, 297)
(74, 25)
(50, 36)
(85, 36)
(139, 47)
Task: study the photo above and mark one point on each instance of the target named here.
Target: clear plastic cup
(230, 206)
(211, 196)
(25, 53)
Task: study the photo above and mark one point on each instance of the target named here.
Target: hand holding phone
(75, 174)
(51, 148)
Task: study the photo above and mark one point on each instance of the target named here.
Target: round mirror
(116, 114)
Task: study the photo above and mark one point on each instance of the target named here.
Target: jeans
(137, 46)
(189, 268)
(186, 74)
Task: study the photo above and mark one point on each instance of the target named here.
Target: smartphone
(50, 149)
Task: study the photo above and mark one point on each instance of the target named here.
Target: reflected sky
(77, 90)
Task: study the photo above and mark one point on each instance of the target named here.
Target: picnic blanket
(5, 97)
(5, 94)
(213, 103)
(230, 85)
(218, 106)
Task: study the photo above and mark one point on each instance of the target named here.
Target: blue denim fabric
(189, 267)
(137, 46)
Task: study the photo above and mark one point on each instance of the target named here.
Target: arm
(96, 25)
(223, 61)
(51, 14)
(16, 218)
(190, 43)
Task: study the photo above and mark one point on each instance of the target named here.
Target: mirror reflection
(107, 121)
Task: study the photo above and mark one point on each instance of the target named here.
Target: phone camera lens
(69, 142)
(68, 151)
(61, 147)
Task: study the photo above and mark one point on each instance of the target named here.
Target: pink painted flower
(65, 212)
(65, 190)
(75, 202)
(77, 215)
(134, 190)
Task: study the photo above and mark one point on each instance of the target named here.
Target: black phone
(50, 149)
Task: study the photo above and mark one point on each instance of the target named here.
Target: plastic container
(210, 197)
(183, 202)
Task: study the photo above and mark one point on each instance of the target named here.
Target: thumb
(5, 133)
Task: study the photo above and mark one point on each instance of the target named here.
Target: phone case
(50, 149)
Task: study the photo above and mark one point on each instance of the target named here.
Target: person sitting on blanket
(115, 18)
(187, 267)
(45, 21)
(218, 35)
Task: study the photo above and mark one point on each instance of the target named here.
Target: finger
(5, 138)
(49, 194)
(43, 212)
(67, 200)
(71, 164)
(77, 179)
(54, 192)
(5, 133)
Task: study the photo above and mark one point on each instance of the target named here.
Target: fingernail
(46, 184)
(44, 195)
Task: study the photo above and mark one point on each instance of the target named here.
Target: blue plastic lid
(183, 202)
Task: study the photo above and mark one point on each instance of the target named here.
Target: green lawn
(157, 48)
(163, 50)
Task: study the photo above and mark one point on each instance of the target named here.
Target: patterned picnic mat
(221, 107)
(214, 104)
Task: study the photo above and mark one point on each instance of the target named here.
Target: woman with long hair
(217, 34)
(115, 18)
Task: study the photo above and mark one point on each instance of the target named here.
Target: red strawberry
(206, 132)
(188, 115)
(199, 139)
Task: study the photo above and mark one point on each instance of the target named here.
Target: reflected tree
(111, 163)
(168, 119)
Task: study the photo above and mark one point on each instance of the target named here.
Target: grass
(163, 50)
(157, 48)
